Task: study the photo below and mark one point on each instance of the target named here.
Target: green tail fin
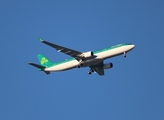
(44, 61)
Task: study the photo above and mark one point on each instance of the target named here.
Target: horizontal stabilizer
(40, 67)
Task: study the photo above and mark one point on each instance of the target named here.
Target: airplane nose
(133, 46)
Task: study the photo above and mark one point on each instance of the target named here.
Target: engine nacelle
(108, 66)
(88, 54)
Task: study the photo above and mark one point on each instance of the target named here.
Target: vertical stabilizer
(44, 61)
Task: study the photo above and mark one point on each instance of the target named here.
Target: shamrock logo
(44, 60)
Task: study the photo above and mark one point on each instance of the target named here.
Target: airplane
(93, 60)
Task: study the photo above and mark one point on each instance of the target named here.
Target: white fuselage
(95, 60)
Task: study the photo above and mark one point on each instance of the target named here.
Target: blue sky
(132, 89)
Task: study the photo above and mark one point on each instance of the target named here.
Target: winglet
(41, 40)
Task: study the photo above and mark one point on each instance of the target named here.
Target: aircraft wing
(73, 53)
(98, 68)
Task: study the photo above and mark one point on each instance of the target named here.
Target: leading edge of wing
(73, 53)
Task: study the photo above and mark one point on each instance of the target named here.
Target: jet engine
(87, 54)
(108, 66)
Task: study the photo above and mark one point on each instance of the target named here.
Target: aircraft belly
(63, 66)
(90, 62)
